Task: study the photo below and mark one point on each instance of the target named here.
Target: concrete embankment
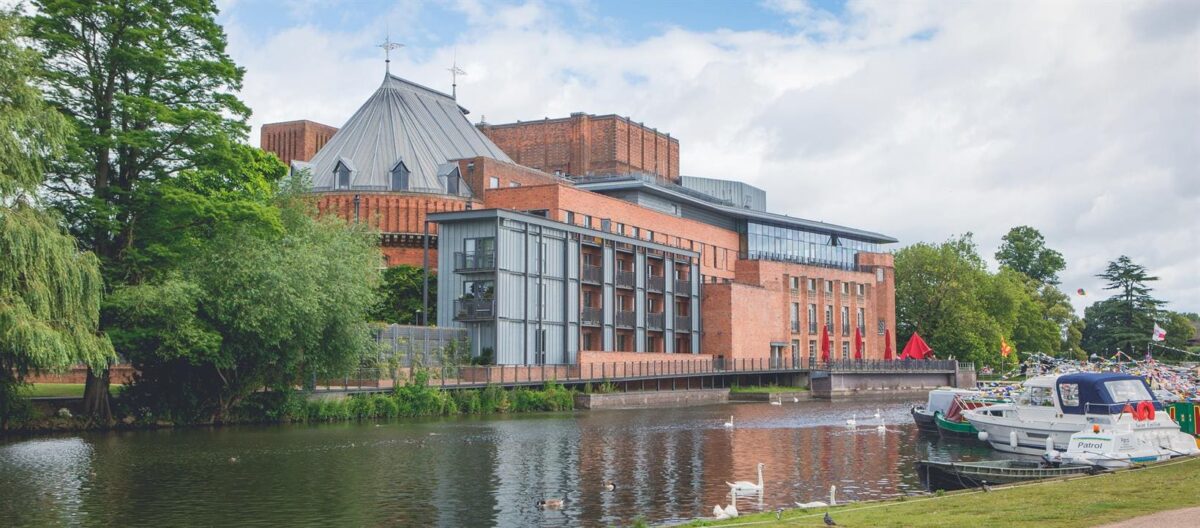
(629, 400)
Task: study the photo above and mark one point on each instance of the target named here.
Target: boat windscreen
(1127, 390)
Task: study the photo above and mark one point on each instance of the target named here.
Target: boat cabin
(1102, 393)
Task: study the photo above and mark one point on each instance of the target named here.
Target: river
(667, 465)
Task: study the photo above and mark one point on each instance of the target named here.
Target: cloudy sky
(919, 120)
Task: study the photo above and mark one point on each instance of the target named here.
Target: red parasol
(887, 345)
(916, 348)
(858, 345)
(825, 344)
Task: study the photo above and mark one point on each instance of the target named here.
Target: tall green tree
(1125, 320)
(49, 289)
(271, 299)
(1024, 249)
(149, 89)
(401, 295)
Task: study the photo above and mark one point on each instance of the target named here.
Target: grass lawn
(1085, 501)
(45, 390)
(768, 389)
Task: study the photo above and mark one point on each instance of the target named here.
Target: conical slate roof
(401, 122)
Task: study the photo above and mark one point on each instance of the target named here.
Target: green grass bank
(1077, 502)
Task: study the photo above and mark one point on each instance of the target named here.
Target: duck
(550, 504)
(729, 424)
(745, 485)
(853, 421)
(610, 485)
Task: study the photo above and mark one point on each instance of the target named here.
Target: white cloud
(918, 120)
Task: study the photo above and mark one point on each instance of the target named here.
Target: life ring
(1145, 411)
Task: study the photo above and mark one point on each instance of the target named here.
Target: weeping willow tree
(49, 290)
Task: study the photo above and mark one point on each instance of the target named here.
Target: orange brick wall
(391, 212)
(740, 320)
(295, 140)
(478, 172)
(717, 247)
(584, 144)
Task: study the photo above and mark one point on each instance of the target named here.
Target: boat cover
(1089, 388)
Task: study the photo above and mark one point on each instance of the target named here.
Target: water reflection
(667, 464)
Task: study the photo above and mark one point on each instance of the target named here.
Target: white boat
(1127, 440)
(1053, 408)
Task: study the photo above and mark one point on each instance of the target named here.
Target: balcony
(475, 261)
(474, 309)
(625, 279)
(683, 323)
(591, 274)
(656, 283)
(655, 321)
(624, 319)
(683, 287)
(591, 316)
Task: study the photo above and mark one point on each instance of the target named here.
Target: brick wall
(295, 140)
(740, 320)
(118, 375)
(391, 212)
(478, 173)
(585, 144)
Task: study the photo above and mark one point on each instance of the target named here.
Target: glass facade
(768, 242)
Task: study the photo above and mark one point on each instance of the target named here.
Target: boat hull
(924, 419)
(955, 429)
(951, 476)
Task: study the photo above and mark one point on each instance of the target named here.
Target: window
(620, 228)
(479, 290)
(812, 285)
(1038, 396)
(493, 182)
(637, 232)
(587, 221)
(1127, 390)
(882, 326)
(605, 225)
(812, 351)
(650, 235)
(862, 289)
(878, 274)
(542, 300)
(795, 283)
(479, 245)
(828, 286)
(400, 177)
(795, 317)
(587, 341)
(622, 340)
(541, 256)
(829, 318)
(569, 217)
(343, 175)
(452, 181)
(812, 318)
(588, 295)
(540, 345)
(514, 184)
(862, 321)
(845, 288)
(845, 350)
(1069, 392)
(845, 320)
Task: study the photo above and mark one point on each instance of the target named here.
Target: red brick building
(769, 284)
(295, 140)
(587, 144)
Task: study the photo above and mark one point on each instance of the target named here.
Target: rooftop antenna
(388, 46)
(455, 71)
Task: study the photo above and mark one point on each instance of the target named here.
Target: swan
(550, 504)
(795, 399)
(729, 424)
(819, 504)
(881, 428)
(731, 510)
(777, 402)
(727, 512)
(719, 513)
(745, 485)
(853, 421)
(876, 414)
(609, 485)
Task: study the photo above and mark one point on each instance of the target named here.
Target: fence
(620, 371)
(421, 345)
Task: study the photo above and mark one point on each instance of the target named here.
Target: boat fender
(1012, 439)
(1050, 445)
(1145, 410)
(983, 436)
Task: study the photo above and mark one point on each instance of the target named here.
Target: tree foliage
(1024, 249)
(49, 290)
(268, 301)
(1125, 320)
(401, 296)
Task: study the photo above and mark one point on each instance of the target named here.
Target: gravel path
(1181, 517)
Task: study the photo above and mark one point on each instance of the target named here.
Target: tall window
(845, 320)
(812, 352)
(587, 341)
(400, 177)
(862, 289)
(862, 321)
(479, 290)
(812, 318)
(795, 317)
(845, 350)
(493, 182)
(812, 285)
(845, 288)
(587, 221)
(452, 180)
(569, 217)
(343, 175)
(882, 326)
(622, 341)
(795, 283)
(829, 318)
(828, 286)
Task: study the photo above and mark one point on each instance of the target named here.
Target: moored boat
(959, 475)
(939, 400)
(953, 424)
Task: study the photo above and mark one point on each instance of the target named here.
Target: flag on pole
(1159, 333)
(1005, 350)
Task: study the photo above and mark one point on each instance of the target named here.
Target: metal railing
(656, 283)
(474, 261)
(683, 287)
(655, 321)
(795, 327)
(683, 323)
(591, 274)
(474, 309)
(624, 279)
(591, 315)
(686, 365)
(625, 319)
(413, 345)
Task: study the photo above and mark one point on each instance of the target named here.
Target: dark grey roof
(401, 121)
(684, 195)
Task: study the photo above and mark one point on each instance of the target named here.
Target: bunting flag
(1080, 291)
(1159, 334)
(1005, 350)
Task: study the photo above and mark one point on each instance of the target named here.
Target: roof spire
(455, 71)
(388, 46)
